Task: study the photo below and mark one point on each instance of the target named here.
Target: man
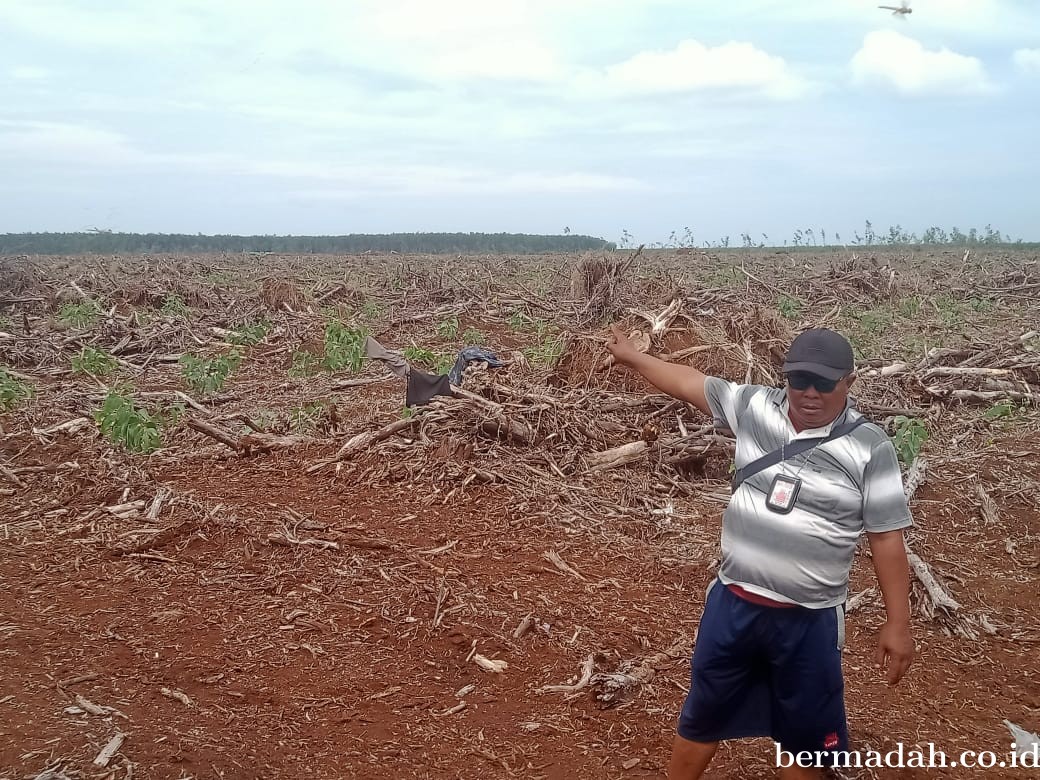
(767, 660)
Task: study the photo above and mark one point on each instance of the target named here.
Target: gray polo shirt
(849, 485)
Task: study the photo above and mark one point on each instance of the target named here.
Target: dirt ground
(272, 622)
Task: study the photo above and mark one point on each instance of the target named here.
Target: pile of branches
(597, 283)
(509, 429)
(980, 373)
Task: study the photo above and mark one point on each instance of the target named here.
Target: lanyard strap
(796, 447)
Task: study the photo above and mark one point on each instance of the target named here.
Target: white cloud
(57, 141)
(350, 179)
(1028, 60)
(91, 148)
(464, 39)
(29, 73)
(445, 181)
(894, 60)
(96, 27)
(694, 67)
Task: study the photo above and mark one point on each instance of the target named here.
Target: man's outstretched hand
(683, 382)
(621, 347)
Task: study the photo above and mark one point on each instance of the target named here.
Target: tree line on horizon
(107, 242)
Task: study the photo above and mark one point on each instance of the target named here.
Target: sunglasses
(803, 380)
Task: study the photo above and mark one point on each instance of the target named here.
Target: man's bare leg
(690, 759)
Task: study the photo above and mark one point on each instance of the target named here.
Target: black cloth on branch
(423, 387)
(469, 355)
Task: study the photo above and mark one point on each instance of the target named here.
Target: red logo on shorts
(830, 741)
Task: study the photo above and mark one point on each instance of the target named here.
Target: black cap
(822, 352)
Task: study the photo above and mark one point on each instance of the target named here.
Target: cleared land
(257, 593)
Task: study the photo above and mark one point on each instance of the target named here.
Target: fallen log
(250, 443)
(214, 432)
(500, 424)
(693, 444)
(70, 427)
(981, 396)
(940, 603)
(939, 596)
(964, 371)
(362, 441)
(915, 477)
(617, 456)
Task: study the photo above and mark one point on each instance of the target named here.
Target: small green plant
(910, 436)
(174, 306)
(95, 362)
(415, 354)
(951, 311)
(473, 337)
(544, 329)
(123, 423)
(304, 364)
(448, 329)
(438, 362)
(264, 418)
(725, 276)
(372, 310)
(169, 416)
(981, 305)
(521, 322)
(518, 321)
(12, 391)
(874, 322)
(344, 347)
(79, 315)
(1000, 411)
(207, 375)
(250, 334)
(545, 353)
(910, 308)
(789, 307)
(304, 419)
(915, 345)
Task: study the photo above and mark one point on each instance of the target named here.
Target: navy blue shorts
(761, 671)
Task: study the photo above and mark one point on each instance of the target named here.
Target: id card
(783, 493)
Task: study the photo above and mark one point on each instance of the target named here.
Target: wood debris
(488, 665)
(554, 558)
(524, 627)
(109, 750)
(987, 507)
(173, 693)
(626, 679)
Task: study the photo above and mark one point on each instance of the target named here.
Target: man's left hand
(895, 650)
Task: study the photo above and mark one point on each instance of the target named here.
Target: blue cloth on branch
(469, 355)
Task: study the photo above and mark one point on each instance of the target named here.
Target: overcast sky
(353, 116)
